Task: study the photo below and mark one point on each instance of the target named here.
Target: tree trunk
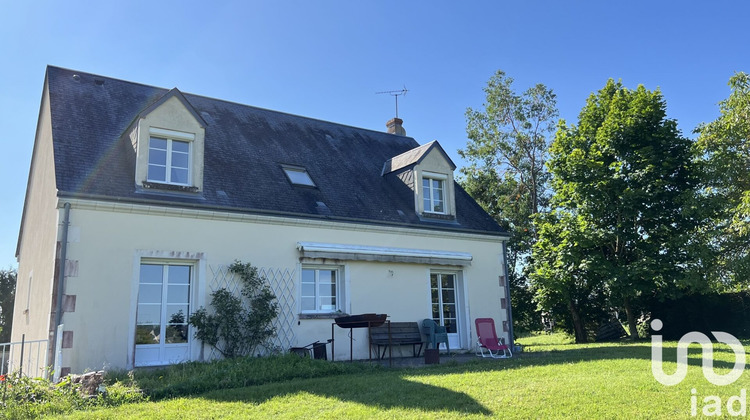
(631, 320)
(580, 331)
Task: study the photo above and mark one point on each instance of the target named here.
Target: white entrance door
(161, 331)
(445, 305)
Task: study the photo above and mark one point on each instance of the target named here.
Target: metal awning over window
(384, 254)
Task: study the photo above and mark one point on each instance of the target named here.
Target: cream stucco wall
(112, 238)
(38, 239)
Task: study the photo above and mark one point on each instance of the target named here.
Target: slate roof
(414, 156)
(245, 147)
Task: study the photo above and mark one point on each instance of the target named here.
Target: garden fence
(26, 357)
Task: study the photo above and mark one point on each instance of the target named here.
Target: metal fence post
(20, 365)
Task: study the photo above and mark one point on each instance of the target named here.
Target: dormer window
(433, 187)
(428, 172)
(298, 176)
(169, 157)
(168, 139)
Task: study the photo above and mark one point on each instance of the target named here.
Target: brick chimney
(395, 127)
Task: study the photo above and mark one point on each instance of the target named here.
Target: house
(139, 198)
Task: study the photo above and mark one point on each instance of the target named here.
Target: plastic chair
(436, 334)
(487, 339)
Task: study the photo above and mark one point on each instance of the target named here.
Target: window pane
(157, 173)
(151, 273)
(308, 303)
(308, 289)
(149, 293)
(327, 303)
(327, 289)
(178, 293)
(450, 326)
(148, 314)
(157, 143)
(180, 160)
(449, 296)
(180, 146)
(176, 314)
(326, 276)
(177, 334)
(308, 276)
(179, 176)
(449, 311)
(437, 185)
(436, 312)
(157, 156)
(435, 297)
(177, 317)
(447, 281)
(179, 274)
(299, 177)
(433, 281)
(147, 334)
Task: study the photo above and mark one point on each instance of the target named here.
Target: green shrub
(22, 397)
(232, 329)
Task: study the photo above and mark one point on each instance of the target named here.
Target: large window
(320, 289)
(433, 194)
(161, 330)
(443, 293)
(169, 160)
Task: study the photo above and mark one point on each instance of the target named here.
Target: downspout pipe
(507, 294)
(61, 274)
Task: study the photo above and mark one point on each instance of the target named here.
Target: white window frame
(442, 178)
(163, 347)
(340, 273)
(171, 136)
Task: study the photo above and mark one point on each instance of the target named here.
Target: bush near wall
(727, 312)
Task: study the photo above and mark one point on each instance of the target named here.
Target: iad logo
(708, 357)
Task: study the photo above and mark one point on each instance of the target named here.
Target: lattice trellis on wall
(281, 281)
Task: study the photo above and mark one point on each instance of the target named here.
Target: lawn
(551, 379)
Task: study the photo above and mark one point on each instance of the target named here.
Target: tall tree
(724, 155)
(7, 300)
(507, 152)
(625, 171)
(565, 282)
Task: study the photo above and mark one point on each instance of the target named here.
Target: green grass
(550, 379)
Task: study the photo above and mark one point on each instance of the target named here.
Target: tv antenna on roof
(396, 94)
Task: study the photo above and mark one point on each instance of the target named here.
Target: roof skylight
(298, 176)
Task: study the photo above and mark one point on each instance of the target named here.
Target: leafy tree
(724, 155)
(233, 329)
(624, 171)
(7, 300)
(563, 261)
(506, 152)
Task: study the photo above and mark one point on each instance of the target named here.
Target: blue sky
(326, 59)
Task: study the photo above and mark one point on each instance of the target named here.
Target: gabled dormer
(168, 139)
(428, 171)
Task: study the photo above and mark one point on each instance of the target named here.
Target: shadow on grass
(393, 388)
(594, 353)
(384, 390)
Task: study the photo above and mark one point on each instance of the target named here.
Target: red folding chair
(487, 339)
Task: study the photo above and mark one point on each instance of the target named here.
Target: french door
(443, 287)
(161, 331)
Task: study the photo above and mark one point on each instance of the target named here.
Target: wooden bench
(402, 334)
